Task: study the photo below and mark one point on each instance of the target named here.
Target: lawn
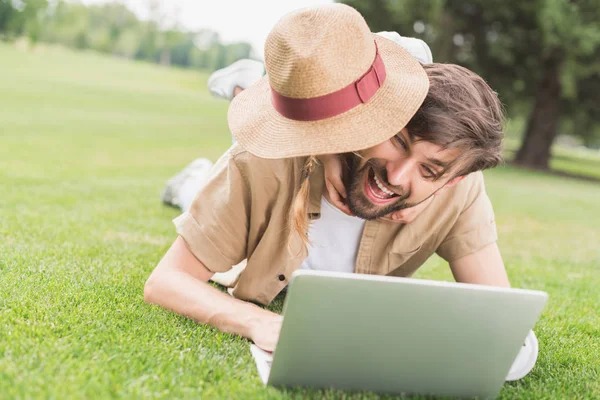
(86, 144)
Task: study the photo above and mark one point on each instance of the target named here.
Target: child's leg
(241, 74)
(228, 82)
(183, 187)
(192, 185)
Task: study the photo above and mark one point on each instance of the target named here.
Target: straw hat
(332, 86)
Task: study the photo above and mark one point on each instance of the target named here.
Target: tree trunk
(542, 125)
(444, 46)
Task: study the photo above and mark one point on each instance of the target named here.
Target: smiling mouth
(376, 190)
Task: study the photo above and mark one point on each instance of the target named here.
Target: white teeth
(383, 188)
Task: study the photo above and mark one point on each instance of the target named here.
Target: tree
(536, 53)
(16, 14)
(114, 29)
(7, 16)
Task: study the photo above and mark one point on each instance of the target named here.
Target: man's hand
(264, 331)
(179, 283)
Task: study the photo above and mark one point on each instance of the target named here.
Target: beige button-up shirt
(242, 212)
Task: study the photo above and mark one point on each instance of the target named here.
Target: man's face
(397, 174)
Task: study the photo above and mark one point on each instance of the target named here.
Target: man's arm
(179, 283)
(484, 267)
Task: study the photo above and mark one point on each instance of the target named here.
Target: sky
(234, 20)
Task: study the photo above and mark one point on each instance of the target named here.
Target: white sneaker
(414, 46)
(242, 73)
(198, 170)
(526, 358)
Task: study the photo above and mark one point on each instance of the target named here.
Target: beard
(361, 176)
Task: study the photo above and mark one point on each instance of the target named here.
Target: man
(335, 88)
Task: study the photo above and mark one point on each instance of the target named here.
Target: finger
(398, 215)
(336, 200)
(391, 219)
(343, 207)
(270, 347)
(340, 187)
(334, 196)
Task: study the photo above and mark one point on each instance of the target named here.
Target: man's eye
(428, 173)
(400, 142)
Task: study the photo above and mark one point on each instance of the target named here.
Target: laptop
(398, 335)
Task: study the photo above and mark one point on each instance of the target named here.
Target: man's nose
(399, 173)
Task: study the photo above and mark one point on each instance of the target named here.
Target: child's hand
(407, 215)
(333, 167)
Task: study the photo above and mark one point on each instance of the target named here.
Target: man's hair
(460, 112)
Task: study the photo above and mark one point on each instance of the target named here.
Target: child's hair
(299, 211)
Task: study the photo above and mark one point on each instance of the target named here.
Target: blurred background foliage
(113, 29)
(542, 56)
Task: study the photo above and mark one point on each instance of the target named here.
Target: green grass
(86, 144)
(573, 161)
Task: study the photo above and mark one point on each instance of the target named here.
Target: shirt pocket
(399, 262)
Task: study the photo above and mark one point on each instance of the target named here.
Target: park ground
(86, 145)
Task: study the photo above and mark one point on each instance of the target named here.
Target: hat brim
(262, 131)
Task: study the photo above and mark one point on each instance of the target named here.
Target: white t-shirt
(335, 239)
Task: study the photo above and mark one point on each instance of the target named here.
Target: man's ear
(452, 182)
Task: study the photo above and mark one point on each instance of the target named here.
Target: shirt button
(282, 278)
